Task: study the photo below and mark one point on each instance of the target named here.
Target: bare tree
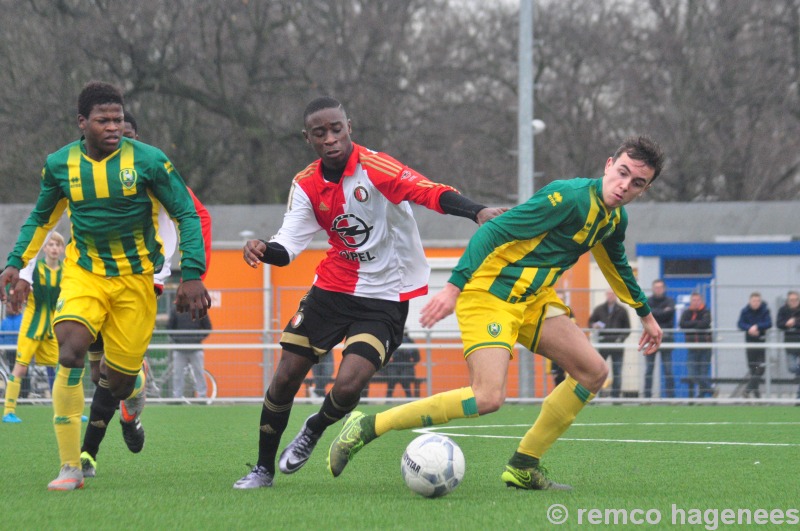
(220, 86)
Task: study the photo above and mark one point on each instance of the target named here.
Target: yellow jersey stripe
(100, 178)
(486, 273)
(612, 276)
(126, 163)
(520, 250)
(74, 172)
(583, 234)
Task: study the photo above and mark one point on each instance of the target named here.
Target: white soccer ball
(432, 465)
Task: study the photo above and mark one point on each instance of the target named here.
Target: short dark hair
(131, 120)
(645, 149)
(97, 93)
(323, 102)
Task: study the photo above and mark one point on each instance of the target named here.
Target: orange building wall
(236, 290)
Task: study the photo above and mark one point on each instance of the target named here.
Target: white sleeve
(26, 273)
(169, 239)
(299, 223)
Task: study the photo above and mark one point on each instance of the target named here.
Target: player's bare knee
(489, 401)
(593, 380)
(347, 392)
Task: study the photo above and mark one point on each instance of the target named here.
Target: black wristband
(275, 254)
(456, 204)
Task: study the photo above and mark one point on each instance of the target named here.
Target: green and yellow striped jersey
(530, 246)
(113, 208)
(42, 300)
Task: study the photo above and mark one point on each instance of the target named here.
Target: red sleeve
(400, 183)
(205, 224)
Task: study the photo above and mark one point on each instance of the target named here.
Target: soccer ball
(432, 465)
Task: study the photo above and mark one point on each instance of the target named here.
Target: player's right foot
(530, 479)
(297, 452)
(132, 430)
(356, 432)
(256, 478)
(88, 465)
(11, 418)
(69, 478)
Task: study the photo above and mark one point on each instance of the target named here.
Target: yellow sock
(12, 394)
(67, 409)
(139, 385)
(436, 409)
(558, 411)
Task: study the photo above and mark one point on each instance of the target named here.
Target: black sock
(329, 413)
(103, 407)
(519, 460)
(274, 418)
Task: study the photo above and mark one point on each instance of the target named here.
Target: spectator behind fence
(755, 320)
(663, 307)
(789, 321)
(697, 318)
(612, 322)
(400, 369)
(182, 358)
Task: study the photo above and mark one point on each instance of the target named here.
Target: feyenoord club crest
(361, 194)
(494, 329)
(296, 320)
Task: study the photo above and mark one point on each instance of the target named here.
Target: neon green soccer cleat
(357, 431)
(88, 465)
(530, 479)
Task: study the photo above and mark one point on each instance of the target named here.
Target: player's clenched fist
(254, 252)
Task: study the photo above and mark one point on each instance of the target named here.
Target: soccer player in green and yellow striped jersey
(111, 187)
(502, 293)
(36, 339)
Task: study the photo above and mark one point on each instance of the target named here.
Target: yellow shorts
(487, 321)
(44, 350)
(123, 308)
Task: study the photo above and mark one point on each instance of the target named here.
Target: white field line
(452, 433)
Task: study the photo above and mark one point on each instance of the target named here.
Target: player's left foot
(132, 430)
(356, 432)
(530, 479)
(258, 477)
(88, 465)
(11, 418)
(297, 452)
(69, 478)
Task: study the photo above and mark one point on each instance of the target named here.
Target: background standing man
(663, 307)
(755, 320)
(789, 321)
(613, 326)
(193, 358)
(697, 319)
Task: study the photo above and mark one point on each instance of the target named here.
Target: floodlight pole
(525, 161)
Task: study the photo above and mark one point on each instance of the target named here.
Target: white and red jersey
(376, 250)
(169, 239)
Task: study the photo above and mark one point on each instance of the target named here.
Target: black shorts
(373, 327)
